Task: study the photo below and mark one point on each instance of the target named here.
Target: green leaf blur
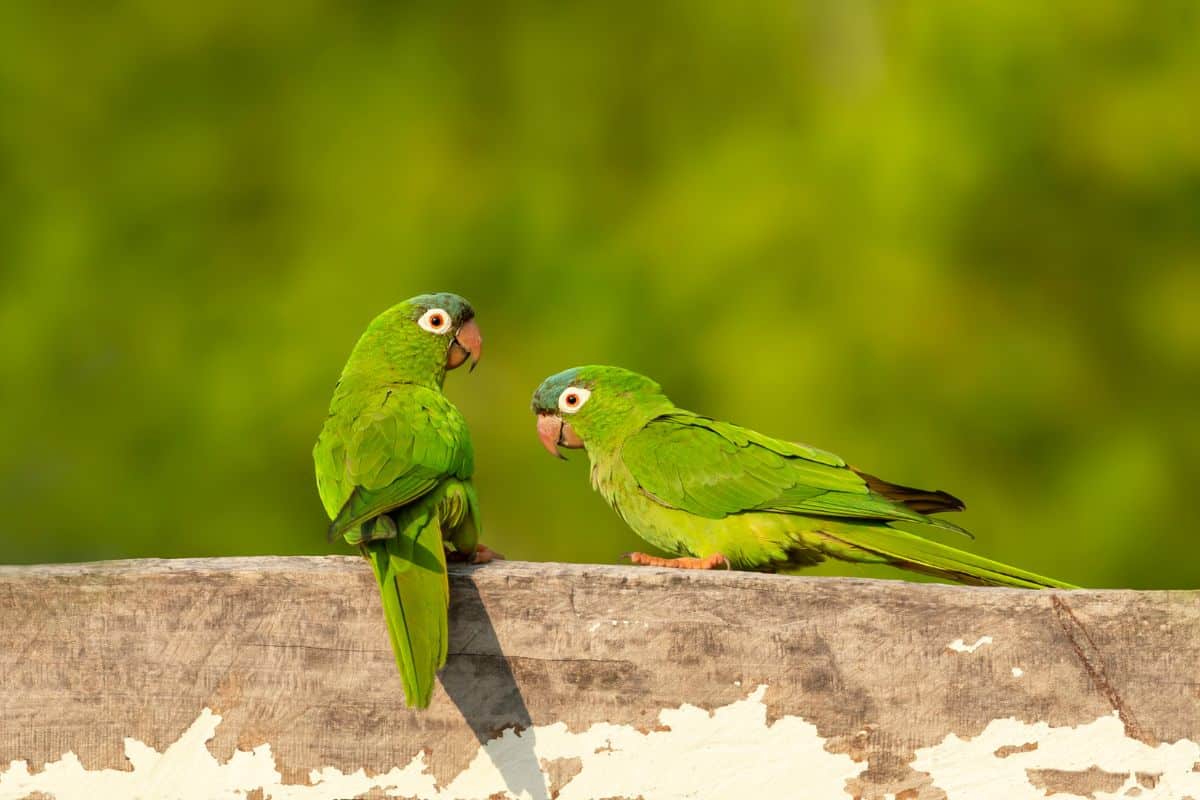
(958, 244)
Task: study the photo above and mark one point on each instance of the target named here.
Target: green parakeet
(394, 463)
(718, 495)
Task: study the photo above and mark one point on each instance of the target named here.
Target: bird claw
(484, 554)
(711, 562)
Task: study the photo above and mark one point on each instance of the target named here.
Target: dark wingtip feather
(921, 501)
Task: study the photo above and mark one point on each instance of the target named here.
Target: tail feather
(912, 552)
(410, 570)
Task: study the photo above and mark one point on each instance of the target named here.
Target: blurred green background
(957, 243)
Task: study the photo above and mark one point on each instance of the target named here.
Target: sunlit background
(956, 243)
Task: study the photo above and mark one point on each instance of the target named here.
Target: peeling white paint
(959, 646)
(185, 770)
(973, 768)
(731, 752)
(1017, 672)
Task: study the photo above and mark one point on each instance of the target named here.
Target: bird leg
(712, 562)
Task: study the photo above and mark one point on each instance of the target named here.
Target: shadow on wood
(480, 683)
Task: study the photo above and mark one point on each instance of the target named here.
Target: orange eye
(435, 320)
(572, 399)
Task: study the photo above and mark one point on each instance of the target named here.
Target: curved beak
(554, 433)
(468, 341)
(550, 432)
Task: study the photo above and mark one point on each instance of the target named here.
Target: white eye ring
(435, 320)
(572, 399)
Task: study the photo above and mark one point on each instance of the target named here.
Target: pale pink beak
(554, 432)
(467, 342)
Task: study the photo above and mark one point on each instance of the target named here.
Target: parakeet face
(584, 404)
(447, 323)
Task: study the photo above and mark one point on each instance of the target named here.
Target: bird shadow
(479, 680)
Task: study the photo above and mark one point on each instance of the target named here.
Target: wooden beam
(241, 677)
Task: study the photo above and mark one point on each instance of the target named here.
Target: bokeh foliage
(958, 243)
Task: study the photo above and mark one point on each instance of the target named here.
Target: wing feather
(384, 449)
(714, 469)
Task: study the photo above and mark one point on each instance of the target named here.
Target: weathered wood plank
(872, 689)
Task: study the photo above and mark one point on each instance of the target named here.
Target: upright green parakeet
(718, 495)
(394, 463)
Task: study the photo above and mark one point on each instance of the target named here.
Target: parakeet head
(419, 339)
(449, 322)
(595, 406)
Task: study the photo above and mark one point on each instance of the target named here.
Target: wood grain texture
(293, 651)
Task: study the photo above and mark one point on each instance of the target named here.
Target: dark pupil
(572, 400)
(436, 320)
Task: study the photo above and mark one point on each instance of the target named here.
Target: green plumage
(393, 464)
(694, 486)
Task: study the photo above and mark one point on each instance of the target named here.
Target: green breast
(665, 528)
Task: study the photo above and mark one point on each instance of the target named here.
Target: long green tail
(410, 569)
(879, 543)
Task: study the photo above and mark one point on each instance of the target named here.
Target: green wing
(714, 469)
(383, 449)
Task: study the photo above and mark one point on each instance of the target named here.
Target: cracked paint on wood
(1012, 760)
(959, 646)
(732, 752)
(291, 654)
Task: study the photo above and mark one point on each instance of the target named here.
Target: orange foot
(484, 554)
(712, 562)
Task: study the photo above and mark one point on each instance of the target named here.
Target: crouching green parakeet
(718, 495)
(394, 463)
